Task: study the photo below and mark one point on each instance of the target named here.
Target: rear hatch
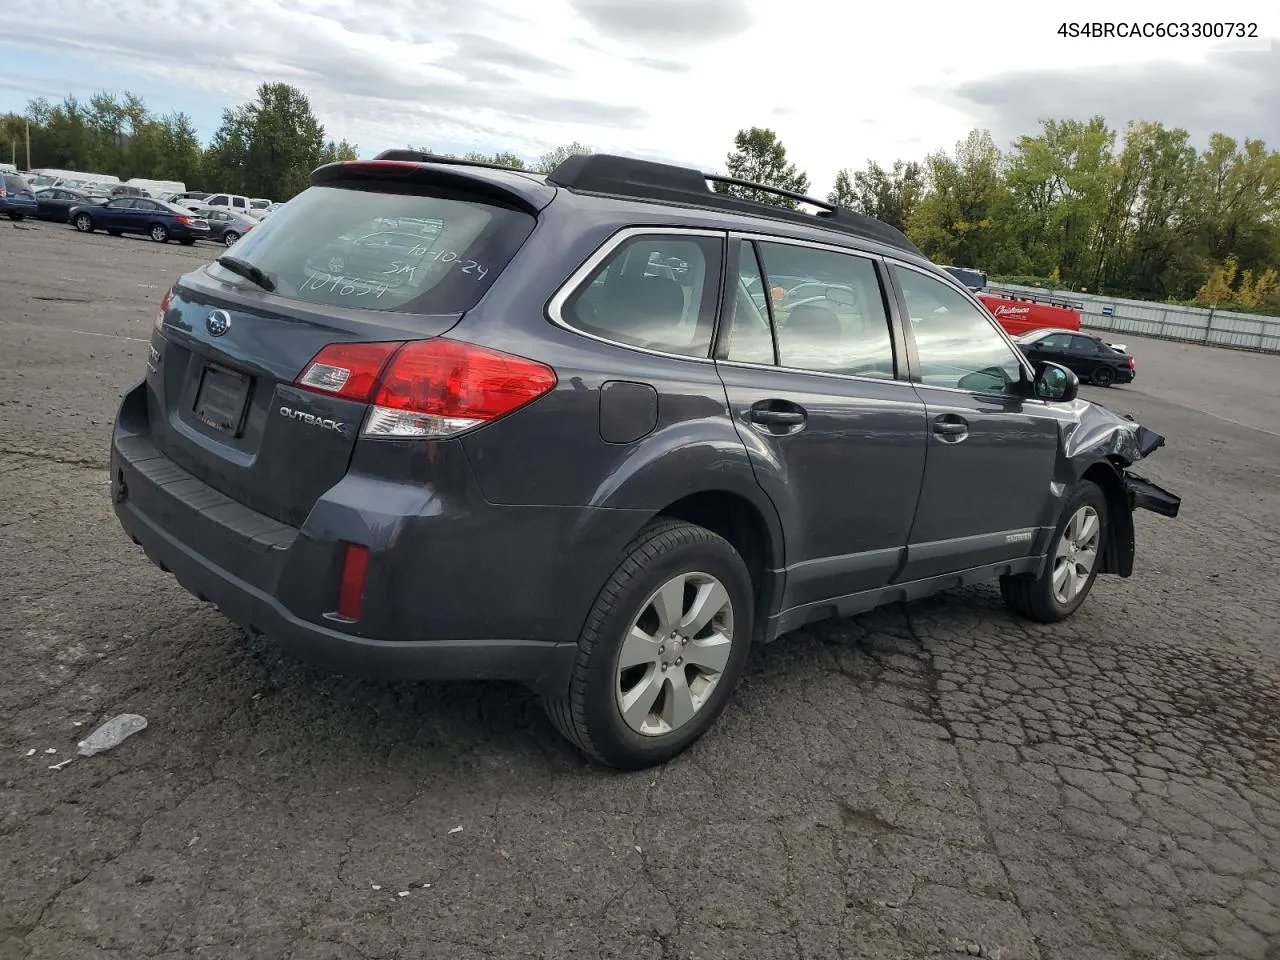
(370, 256)
(17, 189)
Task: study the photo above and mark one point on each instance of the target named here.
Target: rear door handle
(781, 417)
(951, 428)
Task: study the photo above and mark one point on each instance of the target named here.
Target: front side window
(125, 204)
(957, 342)
(829, 312)
(655, 291)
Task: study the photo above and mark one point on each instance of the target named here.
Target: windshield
(408, 252)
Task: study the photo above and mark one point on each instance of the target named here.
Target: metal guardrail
(1219, 328)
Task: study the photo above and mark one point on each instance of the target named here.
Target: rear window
(403, 252)
(15, 183)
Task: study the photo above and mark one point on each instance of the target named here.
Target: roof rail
(628, 178)
(421, 156)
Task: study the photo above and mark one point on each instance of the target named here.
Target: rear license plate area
(221, 399)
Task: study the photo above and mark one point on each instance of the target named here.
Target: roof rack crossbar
(647, 180)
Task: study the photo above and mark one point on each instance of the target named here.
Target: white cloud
(840, 83)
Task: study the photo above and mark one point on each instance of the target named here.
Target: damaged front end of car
(1103, 446)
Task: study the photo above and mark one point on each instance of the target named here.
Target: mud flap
(1145, 495)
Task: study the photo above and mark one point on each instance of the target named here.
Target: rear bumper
(457, 588)
(540, 665)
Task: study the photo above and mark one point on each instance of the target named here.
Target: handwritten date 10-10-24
(427, 255)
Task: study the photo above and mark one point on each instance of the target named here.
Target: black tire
(159, 233)
(1032, 596)
(15, 215)
(115, 233)
(1103, 376)
(588, 715)
(188, 242)
(84, 223)
(230, 237)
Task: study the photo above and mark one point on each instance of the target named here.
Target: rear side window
(655, 291)
(828, 312)
(373, 250)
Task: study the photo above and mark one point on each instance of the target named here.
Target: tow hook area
(119, 489)
(1145, 495)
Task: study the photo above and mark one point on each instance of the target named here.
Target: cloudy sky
(841, 83)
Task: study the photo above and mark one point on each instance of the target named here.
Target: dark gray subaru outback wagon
(599, 432)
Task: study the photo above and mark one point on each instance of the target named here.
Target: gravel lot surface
(932, 780)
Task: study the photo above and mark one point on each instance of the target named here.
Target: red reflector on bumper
(351, 586)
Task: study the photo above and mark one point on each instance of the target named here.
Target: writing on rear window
(368, 249)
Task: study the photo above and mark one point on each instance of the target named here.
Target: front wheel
(230, 237)
(84, 223)
(1075, 554)
(662, 650)
(160, 233)
(15, 215)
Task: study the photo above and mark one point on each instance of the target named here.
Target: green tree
(269, 147)
(888, 195)
(760, 157)
(504, 158)
(339, 151)
(963, 216)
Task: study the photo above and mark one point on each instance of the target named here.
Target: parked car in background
(258, 206)
(162, 222)
(182, 198)
(229, 201)
(56, 203)
(227, 227)
(1089, 356)
(157, 188)
(126, 190)
(17, 199)
(599, 465)
(975, 280)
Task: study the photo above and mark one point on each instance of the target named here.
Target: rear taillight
(438, 388)
(1131, 365)
(426, 388)
(164, 308)
(186, 220)
(347, 370)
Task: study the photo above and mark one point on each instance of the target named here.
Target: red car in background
(1016, 312)
(1019, 315)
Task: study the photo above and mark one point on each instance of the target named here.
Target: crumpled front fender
(1102, 445)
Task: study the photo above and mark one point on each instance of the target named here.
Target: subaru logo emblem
(218, 323)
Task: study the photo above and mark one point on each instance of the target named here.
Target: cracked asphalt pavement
(939, 779)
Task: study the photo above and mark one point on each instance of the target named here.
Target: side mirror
(1056, 383)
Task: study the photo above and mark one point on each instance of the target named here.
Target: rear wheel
(188, 242)
(1075, 554)
(114, 233)
(160, 233)
(15, 215)
(230, 237)
(1103, 376)
(662, 650)
(84, 223)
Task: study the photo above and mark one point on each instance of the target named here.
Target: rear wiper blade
(247, 270)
